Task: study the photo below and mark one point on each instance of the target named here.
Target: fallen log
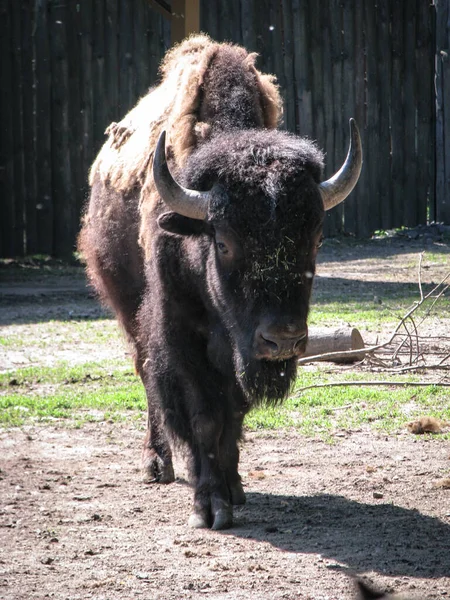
(345, 344)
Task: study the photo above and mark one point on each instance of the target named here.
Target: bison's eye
(221, 247)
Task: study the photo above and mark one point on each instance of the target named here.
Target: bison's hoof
(223, 519)
(154, 470)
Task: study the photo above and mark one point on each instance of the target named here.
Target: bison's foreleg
(212, 505)
(156, 454)
(229, 450)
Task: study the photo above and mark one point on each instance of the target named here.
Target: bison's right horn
(337, 188)
(188, 203)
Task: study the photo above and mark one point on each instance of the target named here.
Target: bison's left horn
(337, 188)
(188, 203)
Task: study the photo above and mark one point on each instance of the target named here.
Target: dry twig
(405, 339)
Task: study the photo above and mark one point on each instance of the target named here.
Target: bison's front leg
(212, 501)
(157, 464)
(156, 455)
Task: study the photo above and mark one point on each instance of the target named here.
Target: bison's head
(259, 226)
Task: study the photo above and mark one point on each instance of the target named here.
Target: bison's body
(214, 299)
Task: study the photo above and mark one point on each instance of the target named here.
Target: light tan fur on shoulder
(125, 159)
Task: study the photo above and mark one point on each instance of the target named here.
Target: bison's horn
(337, 188)
(188, 203)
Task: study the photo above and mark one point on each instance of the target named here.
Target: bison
(201, 234)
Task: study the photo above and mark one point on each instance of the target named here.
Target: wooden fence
(69, 68)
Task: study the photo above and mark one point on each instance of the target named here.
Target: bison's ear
(180, 225)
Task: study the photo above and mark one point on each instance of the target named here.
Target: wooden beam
(184, 16)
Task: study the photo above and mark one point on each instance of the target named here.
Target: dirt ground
(76, 522)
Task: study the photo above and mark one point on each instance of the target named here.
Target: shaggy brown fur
(217, 316)
(178, 106)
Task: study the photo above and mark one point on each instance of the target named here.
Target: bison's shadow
(361, 537)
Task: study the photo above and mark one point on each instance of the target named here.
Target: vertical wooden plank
(159, 41)
(333, 218)
(209, 21)
(317, 72)
(222, 30)
(368, 221)
(112, 62)
(346, 107)
(362, 195)
(270, 45)
(424, 73)
(444, 206)
(165, 36)
(64, 219)
(264, 23)
(410, 204)
(29, 127)
(397, 119)
(98, 71)
(288, 65)
(18, 133)
(229, 20)
(433, 105)
(126, 73)
(384, 65)
(75, 66)
(302, 68)
(139, 47)
(7, 101)
(86, 85)
(442, 103)
(43, 83)
(247, 19)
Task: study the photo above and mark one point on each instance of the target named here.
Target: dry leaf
(425, 425)
(442, 483)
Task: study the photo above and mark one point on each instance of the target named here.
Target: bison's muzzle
(274, 342)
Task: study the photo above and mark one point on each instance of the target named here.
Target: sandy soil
(76, 522)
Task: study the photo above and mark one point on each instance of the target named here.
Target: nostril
(270, 345)
(301, 340)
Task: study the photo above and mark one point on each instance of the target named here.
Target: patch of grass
(324, 411)
(91, 391)
(74, 395)
(113, 400)
(66, 373)
(373, 314)
(54, 334)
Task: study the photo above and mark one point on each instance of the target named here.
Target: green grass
(72, 395)
(369, 316)
(63, 334)
(324, 411)
(86, 392)
(65, 373)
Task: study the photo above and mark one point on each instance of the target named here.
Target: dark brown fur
(198, 299)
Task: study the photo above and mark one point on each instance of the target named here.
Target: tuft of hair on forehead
(260, 160)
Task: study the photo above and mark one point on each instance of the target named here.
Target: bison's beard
(265, 380)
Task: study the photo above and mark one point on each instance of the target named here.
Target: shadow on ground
(361, 537)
